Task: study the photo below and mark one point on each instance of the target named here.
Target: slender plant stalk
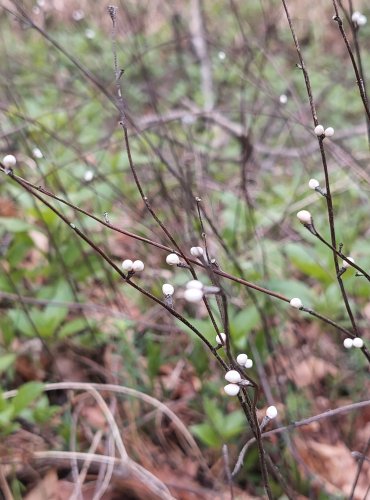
(328, 197)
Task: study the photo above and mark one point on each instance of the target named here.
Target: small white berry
(9, 161)
(188, 119)
(362, 20)
(358, 342)
(231, 389)
(329, 132)
(345, 264)
(196, 251)
(233, 376)
(271, 412)
(221, 55)
(193, 295)
(89, 175)
(241, 359)
(138, 266)
(172, 259)
(319, 130)
(37, 153)
(194, 284)
(313, 183)
(304, 216)
(348, 343)
(296, 303)
(90, 34)
(221, 339)
(127, 265)
(248, 363)
(283, 99)
(78, 15)
(168, 289)
(356, 15)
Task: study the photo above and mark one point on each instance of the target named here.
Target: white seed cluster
(345, 264)
(356, 342)
(37, 153)
(233, 377)
(304, 217)
(89, 33)
(193, 295)
(127, 265)
(172, 259)
(194, 284)
(89, 175)
(313, 183)
(9, 161)
(194, 291)
(283, 99)
(296, 303)
(235, 381)
(168, 290)
(232, 389)
(196, 251)
(243, 360)
(137, 266)
(359, 19)
(221, 338)
(320, 131)
(271, 412)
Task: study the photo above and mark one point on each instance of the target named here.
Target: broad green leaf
(72, 327)
(6, 416)
(234, 425)
(306, 261)
(243, 322)
(214, 414)
(14, 225)
(26, 394)
(206, 434)
(22, 322)
(6, 360)
(292, 288)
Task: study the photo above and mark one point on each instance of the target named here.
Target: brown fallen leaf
(46, 489)
(308, 370)
(334, 466)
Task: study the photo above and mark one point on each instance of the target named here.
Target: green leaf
(6, 417)
(234, 425)
(21, 322)
(243, 322)
(215, 415)
(26, 394)
(14, 225)
(72, 327)
(206, 434)
(6, 361)
(306, 261)
(292, 288)
(153, 351)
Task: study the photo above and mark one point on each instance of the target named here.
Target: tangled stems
(33, 190)
(356, 69)
(328, 197)
(251, 410)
